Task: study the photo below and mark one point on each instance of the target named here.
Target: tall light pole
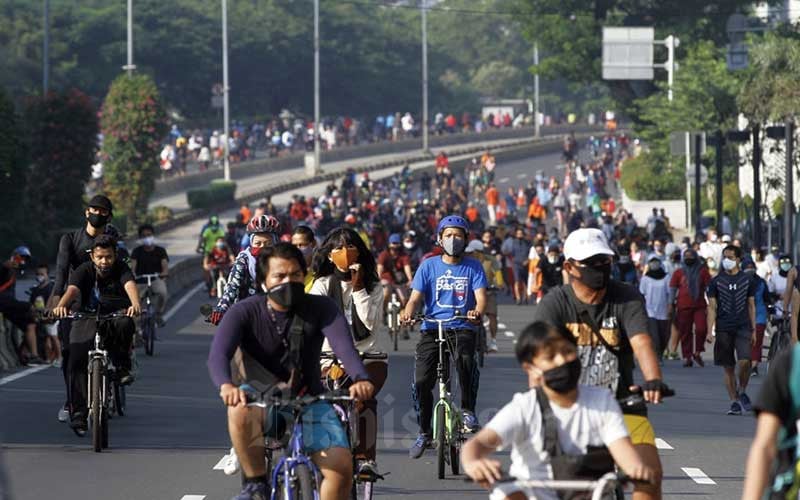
(130, 66)
(317, 166)
(46, 49)
(536, 131)
(423, 5)
(225, 92)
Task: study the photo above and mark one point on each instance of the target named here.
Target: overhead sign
(678, 141)
(628, 53)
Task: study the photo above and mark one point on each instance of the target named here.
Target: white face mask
(728, 264)
(407, 245)
(148, 241)
(552, 259)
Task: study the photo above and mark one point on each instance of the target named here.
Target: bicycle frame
(452, 416)
(105, 360)
(598, 487)
(287, 464)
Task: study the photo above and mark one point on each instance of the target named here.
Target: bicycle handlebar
(99, 317)
(421, 317)
(636, 399)
(263, 399)
(362, 355)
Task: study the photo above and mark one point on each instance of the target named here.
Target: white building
(788, 10)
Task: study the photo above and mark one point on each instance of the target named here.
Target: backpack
(786, 472)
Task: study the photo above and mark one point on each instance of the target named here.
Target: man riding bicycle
(608, 322)
(218, 261)
(276, 341)
(104, 285)
(149, 258)
(449, 284)
(394, 269)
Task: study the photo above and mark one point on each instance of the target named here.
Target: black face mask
(564, 378)
(689, 262)
(97, 220)
(342, 275)
(287, 294)
(595, 277)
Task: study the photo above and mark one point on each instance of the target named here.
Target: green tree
(12, 173)
(62, 130)
(771, 92)
(133, 121)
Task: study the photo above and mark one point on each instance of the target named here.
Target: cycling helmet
(452, 221)
(263, 224)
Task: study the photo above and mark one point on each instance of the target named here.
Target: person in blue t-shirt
(450, 284)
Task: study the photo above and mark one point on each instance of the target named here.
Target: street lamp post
(536, 131)
(425, 147)
(130, 66)
(317, 166)
(225, 92)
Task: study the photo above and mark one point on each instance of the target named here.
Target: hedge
(645, 178)
(216, 193)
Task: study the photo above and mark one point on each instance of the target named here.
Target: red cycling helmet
(263, 224)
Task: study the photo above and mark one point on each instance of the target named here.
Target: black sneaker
(735, 409)
(35, 361)
(125, 377)
(744, 399)
(754, 372)
(78, 424)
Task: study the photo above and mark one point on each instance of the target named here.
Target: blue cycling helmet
(452, 221)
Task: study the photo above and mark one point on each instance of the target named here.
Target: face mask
(287, 294)
(344, 257)
(307, 251)
(728, 264)
(552, 259)
(750, 270)
(453, 246)
(595, 278)
(713, 238)
(786, 266)
(564, 378)
(690, 261)
(41, 279)
(684, 246)
(148, 241)
(97, 220)
(408, 246)
(254, 251)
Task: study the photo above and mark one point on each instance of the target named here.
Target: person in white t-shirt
(586, 416)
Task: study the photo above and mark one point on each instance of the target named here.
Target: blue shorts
(322, 428)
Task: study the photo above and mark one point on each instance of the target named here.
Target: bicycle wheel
(304, 485)
(96, 403)
(395, 335)
(150, 333)
(441, 440)
(119, 399)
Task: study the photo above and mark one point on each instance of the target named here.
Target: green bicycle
(448, 424)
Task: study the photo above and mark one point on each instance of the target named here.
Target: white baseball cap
(585, 243)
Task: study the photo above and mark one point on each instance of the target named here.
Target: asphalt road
(167, 445)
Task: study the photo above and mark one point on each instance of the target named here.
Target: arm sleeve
(634, 317)
(62, 264)
(509, 423)
(226, 339)
(236, 279)
(752, 287)
(478, 276)
(126, 275)
(338, 334)
(774, 397)
(420, 277)
(369, 306)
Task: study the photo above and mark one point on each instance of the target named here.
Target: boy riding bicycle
(586, 419)
(449, 284)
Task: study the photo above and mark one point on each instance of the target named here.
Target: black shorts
(19, 313)
(732, 346)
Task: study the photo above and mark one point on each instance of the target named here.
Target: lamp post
(317, 166)
(423, 6)
(130, 66)
(225, 92)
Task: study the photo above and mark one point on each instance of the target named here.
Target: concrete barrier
(10, 337)
(643, 209)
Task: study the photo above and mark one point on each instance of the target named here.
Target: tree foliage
(771, 91)
(12, 168)
(133, 121)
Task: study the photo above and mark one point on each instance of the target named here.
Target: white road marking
(697, 475)
(663, 445)
(503, 180)
(221, 464)
(169, 314)
(501, 326)
(193, 497)
(23, 373)
(508, 334)
(521, 176)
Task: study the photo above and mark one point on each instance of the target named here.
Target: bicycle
(363, 484)
(148, 318)
(393, 319)
(779, 341)
(106, 394)
(294, 476)
(611, 482)
(480, 345)
(448, 425)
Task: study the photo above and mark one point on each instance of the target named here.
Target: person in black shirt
(19, 313)
(732, 309)
(551, 268)
(104, 285)
(149, 258)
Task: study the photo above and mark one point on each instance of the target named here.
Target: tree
(62, 129)
(770, 92)
(133, 121)
(12, 173)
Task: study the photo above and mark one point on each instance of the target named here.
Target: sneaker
(368, 470)
(35, 361)
(253, 491)
(754, 372)
(125, 377)
(698, 358)
(56, 363)
(78, 424)
(420, 445)
(492, 345)
(231, 466)
(744, 399)
(672, 356)
(736, 408)
(63, 414)
(471, 421)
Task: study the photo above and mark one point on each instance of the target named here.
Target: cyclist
(608, 322)
(104, 285)
(260, 336)
(553, 368)
(448, 284)
(73, 250)
(149, 258)
(209, 235)
(263, 231)
(218, 259)
(394, 268)
(303, 238)
(344, 270)
(16, 311)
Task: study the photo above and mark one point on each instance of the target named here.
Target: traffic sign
(703, 174)
(677, 143)
(628, 53)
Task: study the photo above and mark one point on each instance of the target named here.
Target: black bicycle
(147, 321)
(780, 340)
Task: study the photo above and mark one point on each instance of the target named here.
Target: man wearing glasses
(608, 322)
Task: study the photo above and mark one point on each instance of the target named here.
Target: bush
(647, 178)
(217, 193)
(160, 214)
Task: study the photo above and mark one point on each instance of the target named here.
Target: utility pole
(130, 66)
(756, 187)
(46, 49)
(719, 140)
(425, 148)
(536, 131)
(788, 205)
(317, 155)
(672, 42)
(698, 213)
(225, 91)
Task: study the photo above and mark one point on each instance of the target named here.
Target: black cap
(100, 201)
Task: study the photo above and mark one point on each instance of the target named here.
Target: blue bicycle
(294, 476)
